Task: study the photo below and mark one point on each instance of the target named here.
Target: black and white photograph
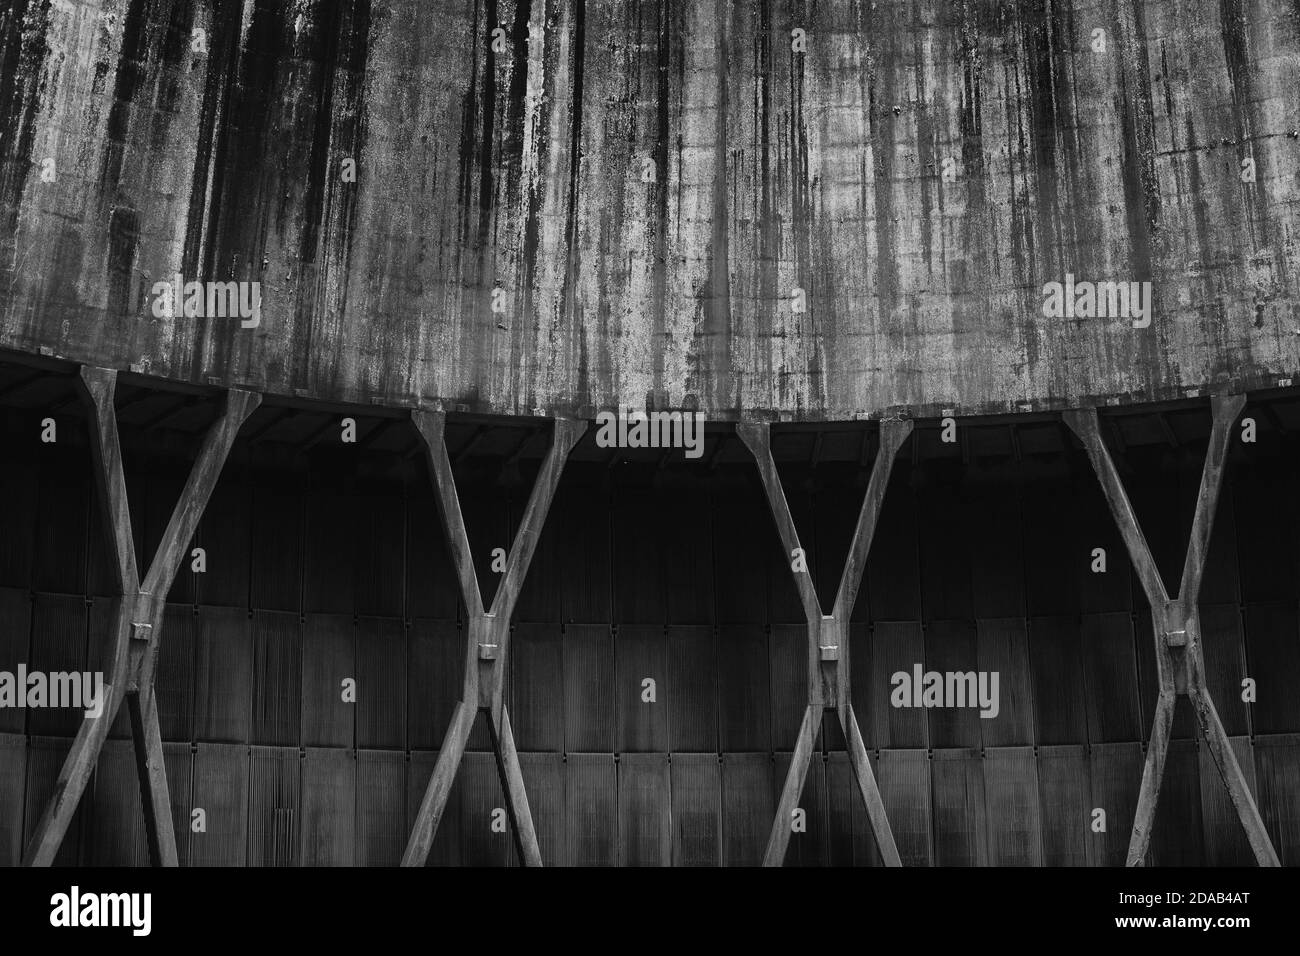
(478, 434)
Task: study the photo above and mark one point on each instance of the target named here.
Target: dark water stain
(23, 52)
(664, 51)
(123, 238)
(521, 198)
(1236, 54)
(1137, 168)
(572, 318)
(226, 221)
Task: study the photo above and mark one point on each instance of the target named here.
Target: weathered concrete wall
(523, 170)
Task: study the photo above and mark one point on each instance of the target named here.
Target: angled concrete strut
(137, 624)
(488, 639)
(828, 643)
(1180, 662)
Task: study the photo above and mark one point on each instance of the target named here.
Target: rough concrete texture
(524, 170)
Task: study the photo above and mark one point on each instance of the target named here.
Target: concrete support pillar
(137, 626)
(488, 639)
(827, 642)
(1180, 662)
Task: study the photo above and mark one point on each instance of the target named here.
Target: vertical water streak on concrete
(573, 308)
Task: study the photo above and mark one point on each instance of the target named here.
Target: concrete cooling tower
(649, 432)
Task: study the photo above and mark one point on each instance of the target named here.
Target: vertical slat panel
(1014, 820)
(745, 542)
(1277, 762)
(539, 595)
(644, 825)
(640, 653)
(1273, 650)
(592, 822)
(329, 788)
(783, 603)
(1161, 507)
(1052, 552)
(1266, 524)
(434, 681)
(381, 807)
(223, 664)
(179, 762)
(329, 579)
(789, 683)
(1056, 660)
(744, 688)
(537, 666)
(174, 678)
(58, 644)
(430, 575)
(381, 683)
(1110, 677)
(687, 547)
(225, 534)
(163, 491)
(696, 810)
(747, 808)
(1116, 778)
(273, 806)
(692, 689)
(1176, 835)
(480, 798)
(116, 830)
(446, 841)
(327, 660)
(1100, 591)
(582, 520)
(1220, 583)
(809, 846)
(997, 561)
(589, 724)
(486, 511)
(13, 781)
(951, 646)
(19, 491)
(944, 555)
(15, 645)
(1004, 649)
(895, 648)
(380, 557)
(62, 511)
(904, 778)
(1223, 644)
(1064, 783)
(1225, 839)
(893, 567)
(639, 596)
(960, 832)
(220, 790)
(277, 545)
(851, 841)
(277, 677)
(835, 516)
(544, 775)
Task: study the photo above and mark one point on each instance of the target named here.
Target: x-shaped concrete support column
(137, 626)
(828, 638)
(488, 637)
(1180, 663)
